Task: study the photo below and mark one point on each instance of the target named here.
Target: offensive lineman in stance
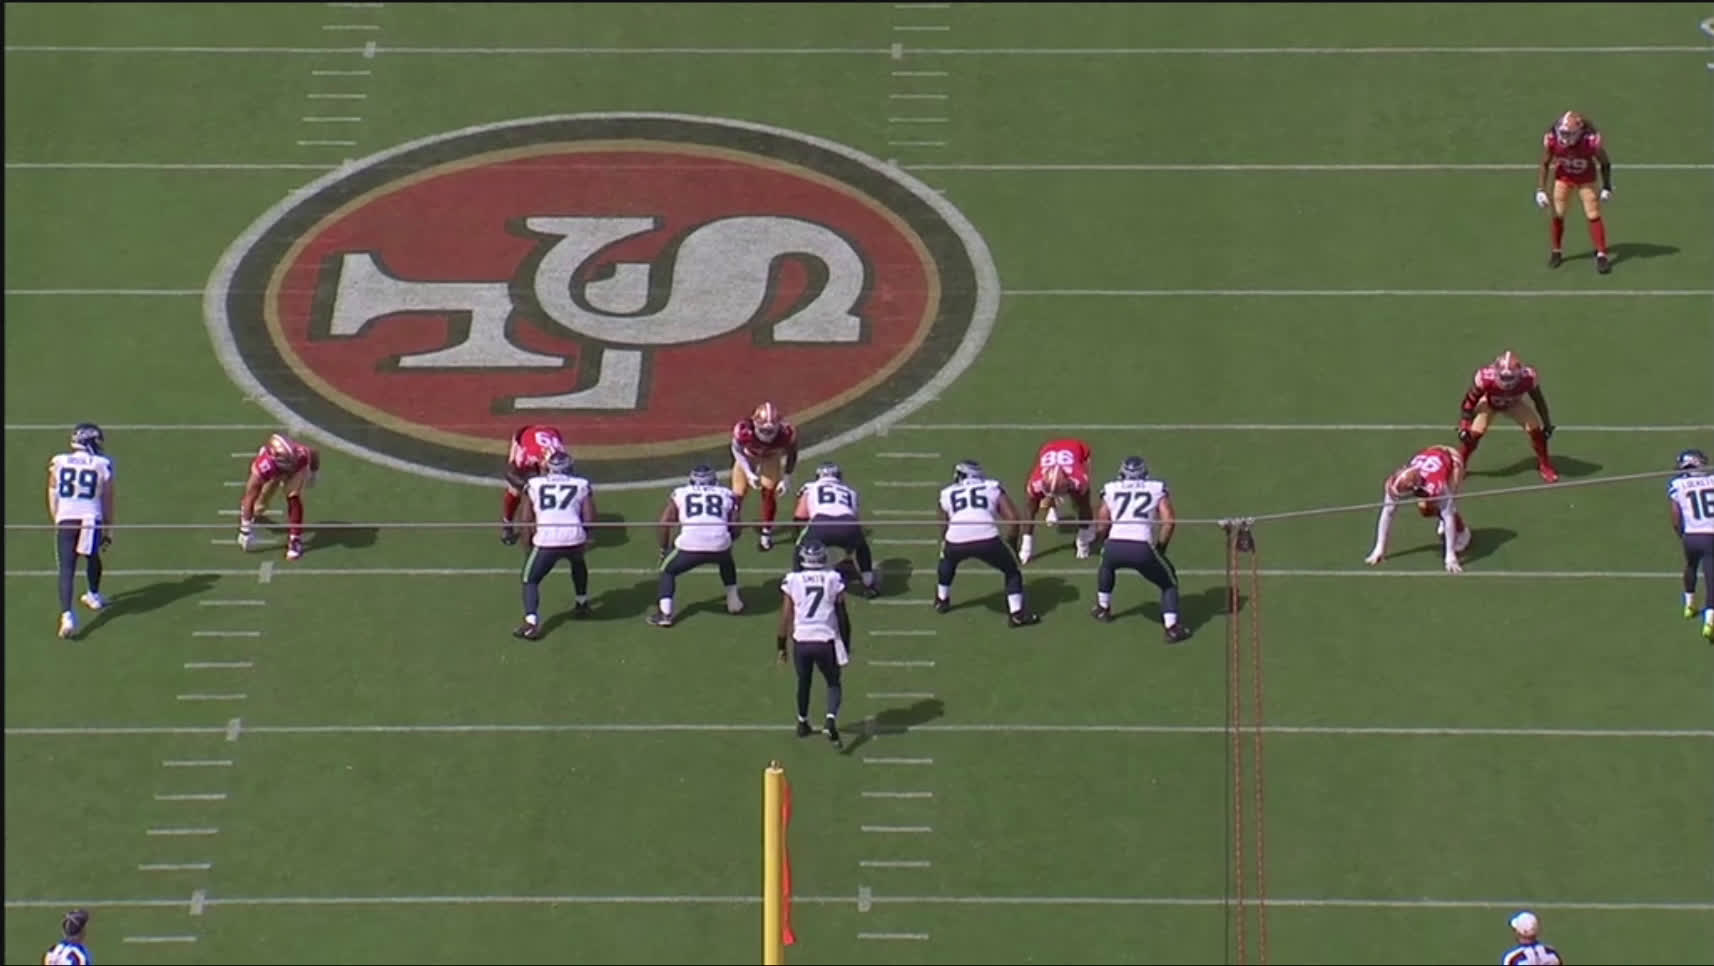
(972, 509)
(707, 517)
(813, 619)
(563, 506)
(1132, 508)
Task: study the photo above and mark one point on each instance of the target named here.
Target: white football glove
(1541, 199)
(784, 485)
(1606, 194)
(1026, 547)
(1453, 566)
(1374, 558)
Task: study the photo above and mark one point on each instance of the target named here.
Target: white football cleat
(1082, 550)
(94, 601)
(68, 625)
(246, 542)
(294, 549)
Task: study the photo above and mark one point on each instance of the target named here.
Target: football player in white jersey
(80, 502)
(1136, 521)
(830, 507)
(72, 949)
(1530, 950)
(562, 506)
(1691, 494)
(705, 514)
(972, 510)
(813, 620)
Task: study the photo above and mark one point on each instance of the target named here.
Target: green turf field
(1262, 245)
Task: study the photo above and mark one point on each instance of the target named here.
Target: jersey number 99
(78, 483)
(970, 499)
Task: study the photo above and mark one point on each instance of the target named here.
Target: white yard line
(1075, 52)
(895, 864)
(231, 603)
(173, 831)
(193, 797)
(226, 633)
(899, 795)
(219, 665)
(212, 696)
(176, 867)
(1335, 731)
(268, 573)
(1694, 906)
(197, 763)
(158, 940)
(897, 829)
(1021, 167)
(894, 936)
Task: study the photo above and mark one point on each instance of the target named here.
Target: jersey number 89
(78, 483)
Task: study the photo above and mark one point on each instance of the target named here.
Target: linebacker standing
(1132, 507)
(814, 619)
(80, 501)
(563, 506)
(1692, 497)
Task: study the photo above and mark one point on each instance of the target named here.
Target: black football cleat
(659, 619)
(803, 729)
(1102, 614)
(528, 631)
(1177, 633)
(1603, 264)
(868, 592)
(832, 732)
(581, 612)
(942, 606)
(1022, 618)
(1554, 259)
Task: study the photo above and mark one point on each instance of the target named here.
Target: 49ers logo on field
(638, 280)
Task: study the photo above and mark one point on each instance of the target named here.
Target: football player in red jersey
(281, 463)
(764, 454)
(531, 447)
(1507, 386)
(1572, 150)
(1060, 473)
(1432, 478)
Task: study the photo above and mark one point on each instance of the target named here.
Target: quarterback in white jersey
(813, 620)
(562, 506)
(831, 509)
(705, 515)
(1530, 950)
(972, 510)
(80, 502)
(1136, 520)
(1691, 494)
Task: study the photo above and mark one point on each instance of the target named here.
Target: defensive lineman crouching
(563, 506)
(972, 509)
(706, 515)
(829, 506)
(814, 619)
(1434, 477)
(1132, 506)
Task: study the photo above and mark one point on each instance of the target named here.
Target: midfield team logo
(639, 280)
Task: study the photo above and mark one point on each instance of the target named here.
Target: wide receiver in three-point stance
(1507, 386)
(764, 454)
(1572, 150)
(1432, 478)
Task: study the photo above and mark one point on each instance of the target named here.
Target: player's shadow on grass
(1194, 610)
(1483, 541)
(615, 604)
(1569, 467)
(150, 597)
(894, 721)
(611, 536)
(326, 535)
(893, 577)
(1043, 595)
(1625, 251)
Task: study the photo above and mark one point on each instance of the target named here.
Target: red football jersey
(744, 437)
(1486, 385)
(269, 468)
(1072, 456)
(1575, 162)
(1437, 466)
(531, 446)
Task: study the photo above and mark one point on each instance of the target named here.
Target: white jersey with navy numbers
(78, 480)
(704, 513)
(1134, 506)
(813, 594)
(1694, 495)
(1531, 954)
(831, 499)
(972, 510)
(557, 501)
(67, 954)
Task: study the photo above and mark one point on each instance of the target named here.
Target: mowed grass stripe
(1379, 731)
